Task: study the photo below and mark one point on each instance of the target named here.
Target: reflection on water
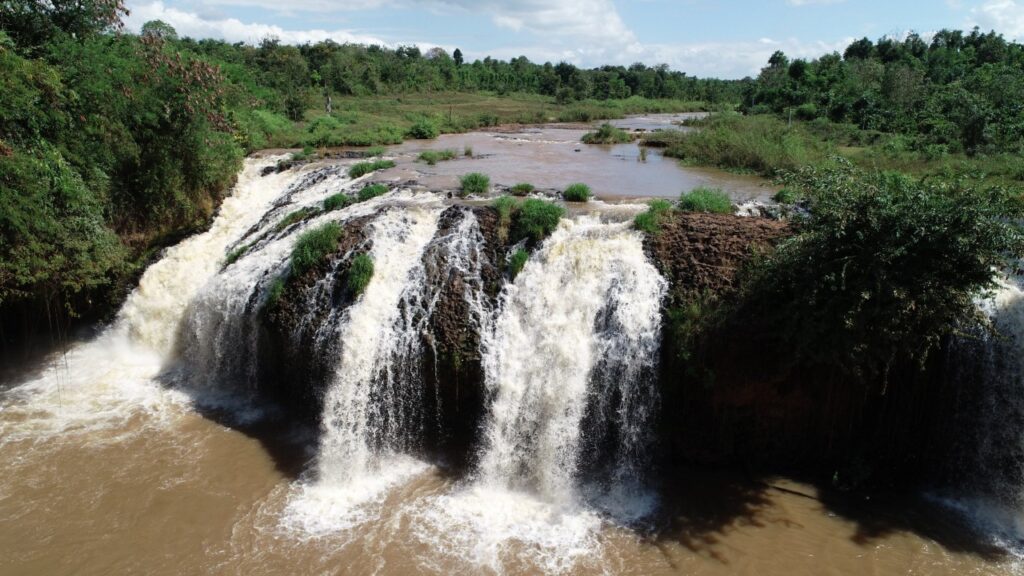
(552, 157)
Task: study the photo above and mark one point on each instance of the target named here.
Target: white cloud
(1005, 16)
(234, 30)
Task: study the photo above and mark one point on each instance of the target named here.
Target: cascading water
(100, 383)
(575, 341)
(366, 428)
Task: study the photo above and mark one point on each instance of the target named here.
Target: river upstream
(138, 452)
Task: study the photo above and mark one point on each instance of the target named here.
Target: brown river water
(109, 465)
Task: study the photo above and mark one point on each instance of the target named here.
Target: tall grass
(474, 183)
(522, 189)
(432, 157)
(315, 245)
(536, 219)
(703, 199)
(607, 134)
(363, 168)
(360, 272)
(651, 221)
(371, 191)
(577, 193)
(762, 144)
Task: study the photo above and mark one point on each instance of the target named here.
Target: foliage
(535, 219)
(295, 216)
(761, 144)
(787, 196)
(337, 201)
(275, 291)
(607, 134)
(710, 200)
(423, 130)
(372, 191)
(883, 267)
(313, 246)
(522, 189)
(474, 183)
(363, 168)
(651, 220)
(360, 272)
(504, 205)
(517, 262)
(432, 157)
(577, 193)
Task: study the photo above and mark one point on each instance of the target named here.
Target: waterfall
(98, 384)
(577, 336)
(368, 424)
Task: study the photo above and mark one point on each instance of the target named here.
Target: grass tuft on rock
(522, 189)
(651, 220)
(474, 183)
(360, 272)
(577, 193)
(371, 191)
(432, 157)
(517, 262)
(315, 245)
(607, 134)
(296, 216)
(708, 200)
(363, 168)
(535, 219)
(337, 201)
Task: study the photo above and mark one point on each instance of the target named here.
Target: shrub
(314, 245)
(432, 157)
(883, 268)
(359, 273)
(703, 199)
(651, 220)
(372, 191)
(474, 183)
(363, 168)
(662, 138)
(607, 134)
(535, 219)
(337, 201)
(423, 130)
(787, 196)
(517, 261)
(522, 189)
(577, 193)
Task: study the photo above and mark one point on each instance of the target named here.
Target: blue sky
(727, 39)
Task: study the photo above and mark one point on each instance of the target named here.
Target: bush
(423, 130)
(710, 200)
(884, 267)
(363, 168)
(607, 134)
(432, 157)
(522, 189)
(474, 183)
(337, 201)
(651, 220)
(535, 219)
(577, 193)
(372, 191)
(360, 272)
(315, 245)
(787, 196)
(517, 262)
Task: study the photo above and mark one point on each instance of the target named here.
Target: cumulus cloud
(234, 30)
(1005, 16)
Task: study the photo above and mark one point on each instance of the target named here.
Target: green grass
(504, 205)
(372, 191)
(337, 201)
(363, 168)
(522, 189)
(275, 291)
(577, 193)
(432, 157)
(535, 219)
(762, 144)
(237, 253)
(373, 151)
(787, 196)
(651, 220)
(315, 245)
(709, 200)
(360, 272)
(607, 134)
(474, 183)
(517, 262)
(662, 138)
(423, 130)
(296, 216)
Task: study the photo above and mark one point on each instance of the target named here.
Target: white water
(100, 384)
(580, 325)
(365, 432)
